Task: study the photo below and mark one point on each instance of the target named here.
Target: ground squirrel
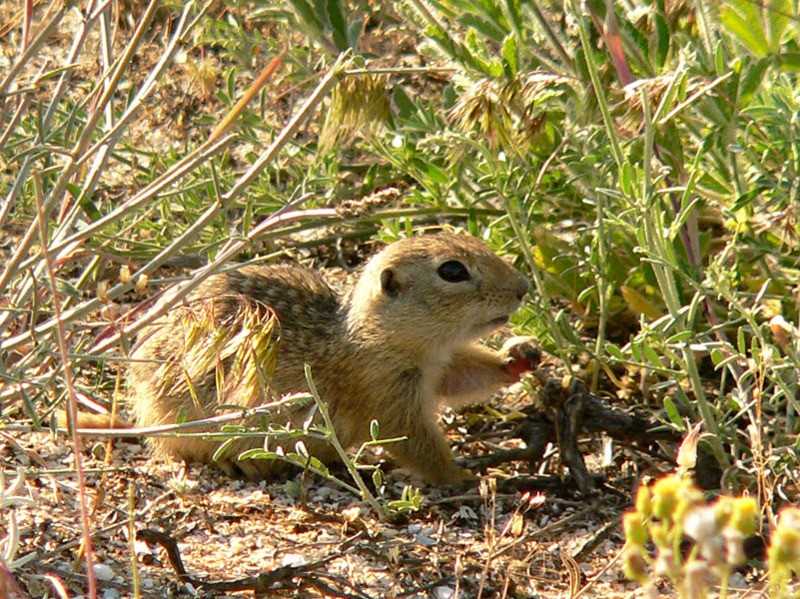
(393, 348)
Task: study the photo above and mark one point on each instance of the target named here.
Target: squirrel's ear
(389, 282)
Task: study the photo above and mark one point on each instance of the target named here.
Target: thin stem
(705, 28)
(616, 151)
(135, 577)
(399, 71)
(162, 430)
(334, 440)
(663, 267)
(72, 403)
(602, 289)
(538, 281)
(551, 35)
(31, 49)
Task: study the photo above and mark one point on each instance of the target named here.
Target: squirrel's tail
(93, 420)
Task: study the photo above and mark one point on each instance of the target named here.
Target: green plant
(326, 22)
(645, 214)
(783, 555)
(674, 510)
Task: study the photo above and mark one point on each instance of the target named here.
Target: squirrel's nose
(522, 288)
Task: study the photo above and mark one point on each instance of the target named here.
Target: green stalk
(602, 290)
(602, 102)
(538, 281)
(366, 494)
(657, 246)
(616, 151)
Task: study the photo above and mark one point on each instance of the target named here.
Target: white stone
(103, 572)
(294, 560)
(443, 592)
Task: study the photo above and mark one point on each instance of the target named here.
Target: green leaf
(741, 343)
(652, 357)
(434, 173)
(377, 478)
(222, 450)
(258, 454)
(484, 27)
(779, 13)
(789, 61)
(313, 463)
(751, 78)
(672, 412)
(681, 337)
(511, 9)
(742, 20)
(627, 179)
(662, 39)
(335, 14)
(306, 13)
(614, 351)
(405, 106)
(676, 90)
(231, 85)
(683, 216)
(354, 33)
(307, 16)
(719, 59)
(478, 53)
(509, 53)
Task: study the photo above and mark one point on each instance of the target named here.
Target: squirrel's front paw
(522, 354)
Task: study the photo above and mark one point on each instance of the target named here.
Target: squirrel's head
(442, 289)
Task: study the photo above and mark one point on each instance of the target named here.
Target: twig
(70, 164)
(542, 532)
(107, 142)
(606, 566)
(61, 87)
(223, 256)
(72, 403)
(266, 582)
(248, 95)
(31, 49)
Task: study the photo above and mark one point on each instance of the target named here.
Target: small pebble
(103, 572)
(443, 592)
(737, 581)
(293, 559)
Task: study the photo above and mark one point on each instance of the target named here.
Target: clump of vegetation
(673, 512)
(783, 555)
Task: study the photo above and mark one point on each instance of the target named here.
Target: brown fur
(401, 342)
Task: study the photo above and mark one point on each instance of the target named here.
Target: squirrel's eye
(453, 271)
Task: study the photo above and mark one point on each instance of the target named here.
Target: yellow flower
(644, 501)
(635, 530)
